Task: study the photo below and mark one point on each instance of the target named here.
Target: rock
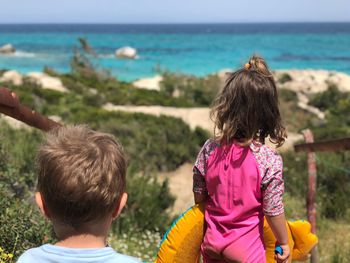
(46, 81)
(7, 49)
(55, 118)
(224, 73)
(126, 52)
(314, 81)
(12, 76)
(149, 83)
(13, 123)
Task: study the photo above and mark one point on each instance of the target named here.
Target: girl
(236, 175)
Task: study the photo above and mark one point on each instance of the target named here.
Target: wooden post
(311, 194)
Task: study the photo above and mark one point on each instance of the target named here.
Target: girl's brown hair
(247, 107)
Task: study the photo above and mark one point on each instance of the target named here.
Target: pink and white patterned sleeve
(273, 186)
(200, 167)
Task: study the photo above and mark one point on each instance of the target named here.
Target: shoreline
(308, 77)
(306, 80)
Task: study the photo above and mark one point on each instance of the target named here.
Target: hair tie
(247, 66)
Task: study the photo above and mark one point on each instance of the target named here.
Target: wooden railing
(334, 145)
(11, 106)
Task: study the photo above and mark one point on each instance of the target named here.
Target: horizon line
(172, 23)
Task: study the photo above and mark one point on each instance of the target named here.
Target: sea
(195, 49)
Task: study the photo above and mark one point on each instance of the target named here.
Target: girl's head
(247, 107)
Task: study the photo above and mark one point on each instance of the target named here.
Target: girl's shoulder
(210, 145)
(264, 154)
(207, 149)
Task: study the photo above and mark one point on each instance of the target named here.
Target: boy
(81, 190)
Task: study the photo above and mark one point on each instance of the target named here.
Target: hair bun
(258, 63)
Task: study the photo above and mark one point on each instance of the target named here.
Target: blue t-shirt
(55, 254)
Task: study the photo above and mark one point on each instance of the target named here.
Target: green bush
(146, 206)
(196, 91)
(295, 173)
(21, 225)
(327, 99)
(333, 185)
(337, 122)
(283, 78)
(153, 143)
(287, 95)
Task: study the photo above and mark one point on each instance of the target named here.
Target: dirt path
(180, 185)
(192, 116)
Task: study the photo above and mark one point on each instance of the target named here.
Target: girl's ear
(120, 206)
(41, 204)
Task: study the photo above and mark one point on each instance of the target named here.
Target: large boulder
(12, 76)
(7, 49)
(46, 81)
(149, 83)
(126, 52)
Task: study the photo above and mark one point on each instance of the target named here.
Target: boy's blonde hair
(81, 174)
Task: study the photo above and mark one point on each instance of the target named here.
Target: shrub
(21, 225)
(327, 99)
(152, 142)
(287, 95)
(148, 199)
(337, 123)
(333, 186)
(284, 77)
(196, 91)
(295, 173)
(333, 183)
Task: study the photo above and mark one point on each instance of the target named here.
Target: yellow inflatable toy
(181, 243)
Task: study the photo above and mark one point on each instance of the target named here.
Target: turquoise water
(190, 49)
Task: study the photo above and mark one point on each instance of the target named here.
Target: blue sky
(176, 11)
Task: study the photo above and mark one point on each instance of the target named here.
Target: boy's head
(81, 176)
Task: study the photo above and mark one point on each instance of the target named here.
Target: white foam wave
(112, 56)
(24, 54)
(21, 54)
(106, 56)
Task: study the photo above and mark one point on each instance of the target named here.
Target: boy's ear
(41, 204)
(120, 206)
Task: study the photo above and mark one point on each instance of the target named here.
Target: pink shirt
(243, 184)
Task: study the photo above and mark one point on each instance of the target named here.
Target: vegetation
(152, 144)
(283, 78)
(21, 225)
(337, 107)
(196, 91)
(327, 99)
(333, 173)
(155, 144)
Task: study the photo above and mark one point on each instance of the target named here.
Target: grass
(141, 245)
(334, 240)
(333, 235)
(295, 119)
